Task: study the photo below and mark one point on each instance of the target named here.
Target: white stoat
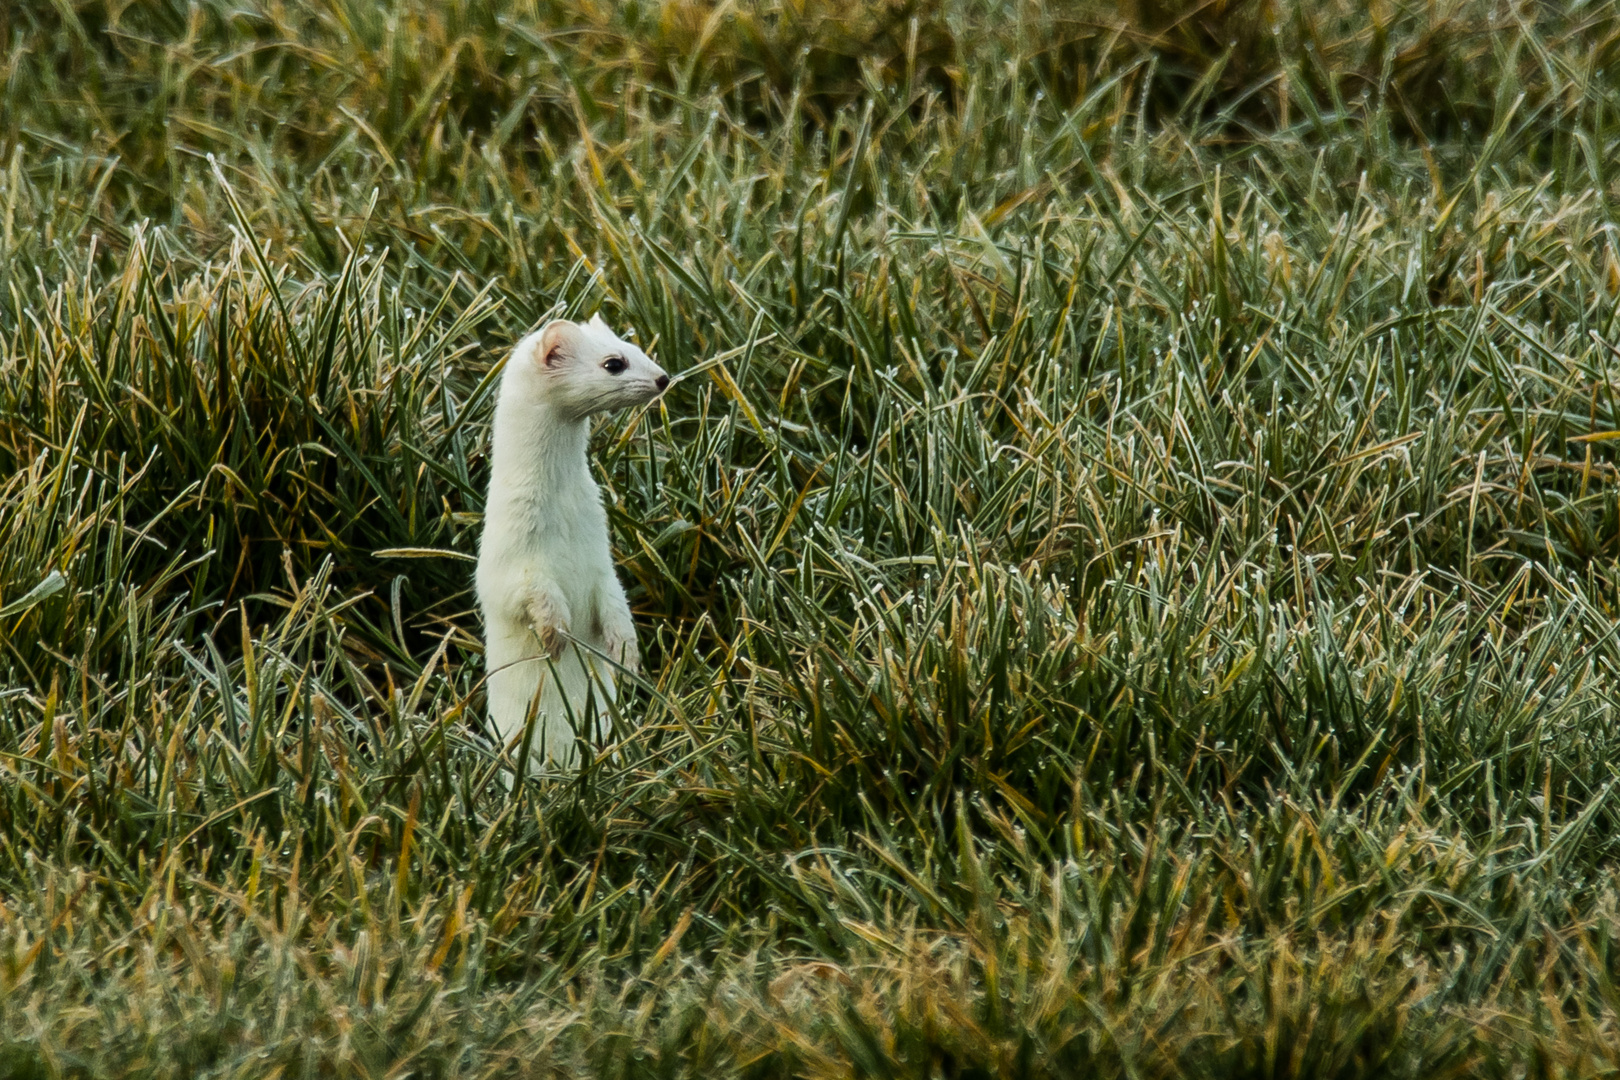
(545, 571)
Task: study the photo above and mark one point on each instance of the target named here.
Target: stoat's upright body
(545, 571)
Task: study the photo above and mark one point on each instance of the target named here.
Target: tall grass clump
(1126, 571)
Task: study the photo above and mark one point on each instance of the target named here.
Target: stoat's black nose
(663, 381)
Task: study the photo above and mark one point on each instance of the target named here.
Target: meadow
(1126, 572)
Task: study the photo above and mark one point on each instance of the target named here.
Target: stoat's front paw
(622, 650)
(548, 617)
(553, 637)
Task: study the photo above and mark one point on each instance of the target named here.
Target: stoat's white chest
(544, 524)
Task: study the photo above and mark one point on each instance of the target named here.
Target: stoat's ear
(559, 341)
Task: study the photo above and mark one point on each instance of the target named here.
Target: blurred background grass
(1128, 581)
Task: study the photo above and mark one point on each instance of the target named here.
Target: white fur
(545, 571)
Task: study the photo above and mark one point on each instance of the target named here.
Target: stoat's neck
(536, 449)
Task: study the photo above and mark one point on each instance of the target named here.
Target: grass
(1127, 571)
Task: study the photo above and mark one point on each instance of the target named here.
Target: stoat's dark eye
(615, 365)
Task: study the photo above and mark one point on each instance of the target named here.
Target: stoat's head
(585, 368)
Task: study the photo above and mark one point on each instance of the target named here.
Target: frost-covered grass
(1127, 573)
